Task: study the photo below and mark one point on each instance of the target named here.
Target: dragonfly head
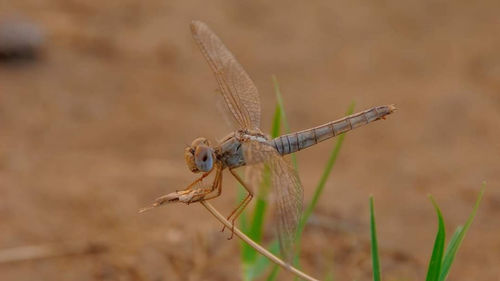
(199, 156)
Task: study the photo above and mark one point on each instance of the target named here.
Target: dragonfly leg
(199, 194)
(177, 195)
(237, 212)
(204, 175)
(217, 184)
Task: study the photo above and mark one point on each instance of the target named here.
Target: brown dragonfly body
(248, 146)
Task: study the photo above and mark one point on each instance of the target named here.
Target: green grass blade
(261, 263)
(374, 243)
(319, 190)
(279, 100)
(274, 273)
(244, 226)
(329, 276)
(257, 224)
(255, 229)
(279, 112)
(324, 177)
(457, 239)
(437, 253)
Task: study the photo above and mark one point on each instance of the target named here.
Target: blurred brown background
(94, 127)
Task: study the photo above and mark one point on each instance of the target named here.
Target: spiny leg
(201, 193)
(217, 184)
(237, 212)
(241, 203)
(198, 180)
(175, 196)
(249, 190)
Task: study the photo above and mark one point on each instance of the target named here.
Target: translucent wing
(287, 188)
(240, 94)
(254, 176)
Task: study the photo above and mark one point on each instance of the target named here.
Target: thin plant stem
(254, 245)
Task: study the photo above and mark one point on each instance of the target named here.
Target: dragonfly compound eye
(203, 157)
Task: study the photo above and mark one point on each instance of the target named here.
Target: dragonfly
(248, 146)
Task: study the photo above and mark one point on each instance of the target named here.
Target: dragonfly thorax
(199, 156)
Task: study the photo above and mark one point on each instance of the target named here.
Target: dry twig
(254, 245)
(185, 196)
(35, 252)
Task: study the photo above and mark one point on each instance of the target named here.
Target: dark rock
(19, 40)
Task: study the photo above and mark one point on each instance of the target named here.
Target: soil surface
(93, 127)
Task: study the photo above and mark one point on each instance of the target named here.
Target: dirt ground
(96, 127)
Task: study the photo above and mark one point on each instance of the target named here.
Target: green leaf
(437, 253)
(457, 239)
(374, 243)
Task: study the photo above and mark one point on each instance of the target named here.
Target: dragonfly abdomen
(294, 142)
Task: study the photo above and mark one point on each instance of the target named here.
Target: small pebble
(19, 40)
